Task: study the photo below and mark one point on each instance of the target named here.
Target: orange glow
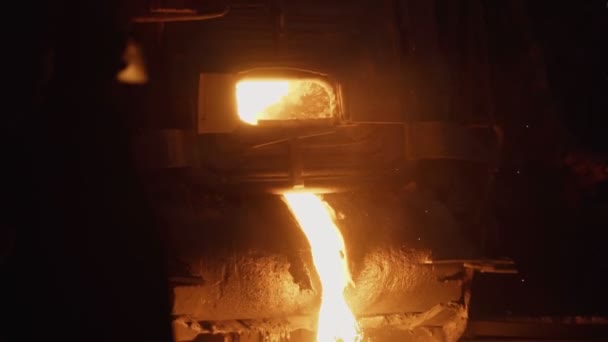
(283, 99)
(253, 97)
(336, 322)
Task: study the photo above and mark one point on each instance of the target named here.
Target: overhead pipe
(172, 15)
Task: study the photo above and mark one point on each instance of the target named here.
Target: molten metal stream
(336, 320)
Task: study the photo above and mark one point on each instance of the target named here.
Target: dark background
(550, 195)
(84, 258)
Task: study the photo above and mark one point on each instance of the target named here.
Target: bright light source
(283, 99)
(336, 321)
(134, 71)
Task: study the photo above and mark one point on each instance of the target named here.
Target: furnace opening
(260, 100)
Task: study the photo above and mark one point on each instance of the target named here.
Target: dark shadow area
(549, 195)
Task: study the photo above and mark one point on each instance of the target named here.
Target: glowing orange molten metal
(283, 100)
(254, 97)
(336, 321)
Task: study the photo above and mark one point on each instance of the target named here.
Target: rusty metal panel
(444, 323)
(246, 265)
(256, 286)
(167, 148)
(375, 100)
(444, 140)
(217, 111)
(317, 35)
(253, 262)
